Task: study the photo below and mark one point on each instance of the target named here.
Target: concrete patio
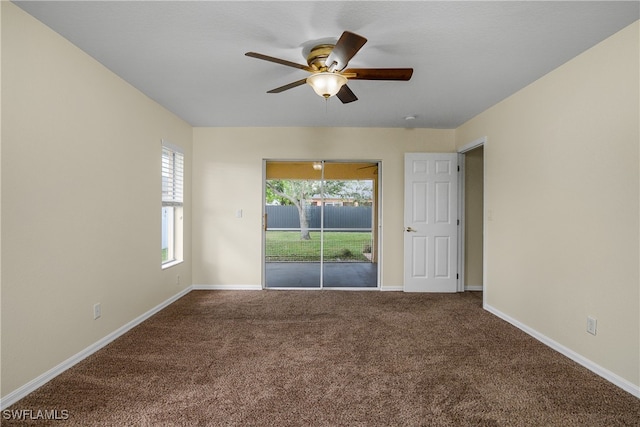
(307, 275)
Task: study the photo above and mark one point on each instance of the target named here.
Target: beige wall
(473, 217)
(561, 193)
(80, 200)
(228, 176)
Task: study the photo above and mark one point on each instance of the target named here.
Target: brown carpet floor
(329, 358)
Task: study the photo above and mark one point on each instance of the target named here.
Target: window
(172, 201)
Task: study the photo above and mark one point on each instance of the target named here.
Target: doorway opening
(321, 224)
(471, 267)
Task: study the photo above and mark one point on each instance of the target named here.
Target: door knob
(410, 230)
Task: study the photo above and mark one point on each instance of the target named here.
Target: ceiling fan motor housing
(318, 56)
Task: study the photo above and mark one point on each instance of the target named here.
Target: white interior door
(431, 223)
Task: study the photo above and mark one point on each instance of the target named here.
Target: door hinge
(458, 222)
(458, 168)
(457, 276)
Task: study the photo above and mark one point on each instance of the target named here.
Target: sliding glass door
(348, 212)
(320, 224)
(292, 229)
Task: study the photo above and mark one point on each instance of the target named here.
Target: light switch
(239, 213)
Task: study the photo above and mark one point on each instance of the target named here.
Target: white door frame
(480, 142)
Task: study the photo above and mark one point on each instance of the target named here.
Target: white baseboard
(581, 360)
(227, 287)
(34, 384)
(473, 288)
(392, 288)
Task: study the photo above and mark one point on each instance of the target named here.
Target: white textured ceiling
(467, 56)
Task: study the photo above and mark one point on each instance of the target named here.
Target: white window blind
(172, 175)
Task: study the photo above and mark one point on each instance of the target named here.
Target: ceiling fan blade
(346, 95)
(279, 61)
(380, 73)
(289, 86)
(348, 45)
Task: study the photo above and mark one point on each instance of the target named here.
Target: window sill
(171, 264)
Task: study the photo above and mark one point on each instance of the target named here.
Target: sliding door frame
(376, 228)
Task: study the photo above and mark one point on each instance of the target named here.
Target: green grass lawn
(338, 246)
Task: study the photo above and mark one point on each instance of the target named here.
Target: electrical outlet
(592, 324)
(97, 311)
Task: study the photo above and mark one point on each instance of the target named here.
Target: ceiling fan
(327, 64)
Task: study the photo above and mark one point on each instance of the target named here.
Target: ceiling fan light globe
(326, 84)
